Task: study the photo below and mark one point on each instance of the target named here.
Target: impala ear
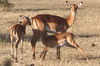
(80, 4)
(69, 5)
(66, 1)
(22, 16)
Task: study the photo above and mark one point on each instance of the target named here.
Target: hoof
(58, 58)
(87, 60)
(21, 58)
(32, 65)
(43, 59)
(33, 57)
(16, 60)
(12, 56)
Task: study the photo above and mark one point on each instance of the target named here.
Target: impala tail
(12, 32)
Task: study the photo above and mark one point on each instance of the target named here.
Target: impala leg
(12, 47)
(58, 53)
(73, 44)
(79, 48)
(12, 50)
(42, 53)
(45, 51)
(21, 49)
(16, 49)
(82, 52)
(33, 43)
(37, 35)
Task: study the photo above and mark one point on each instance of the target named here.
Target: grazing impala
(18, 31)
(43, 23)
(58, 40)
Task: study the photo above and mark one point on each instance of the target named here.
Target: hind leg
(73, 44)
(58, 53)
(21, 49)
(16, 49)
(12, 47)
(79, 48)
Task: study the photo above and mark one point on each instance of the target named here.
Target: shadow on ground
(90, 58)
(87, 36)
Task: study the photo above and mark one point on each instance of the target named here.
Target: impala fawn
(58, 40)
(17, 32)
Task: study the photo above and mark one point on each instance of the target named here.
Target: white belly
(48, 29)
(62, 44)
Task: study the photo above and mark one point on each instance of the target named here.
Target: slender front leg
(36, 36)
(33, 42)
(42, 53)
(58, 53)
(45, 51)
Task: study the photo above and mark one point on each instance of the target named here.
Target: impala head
(25, 20)
(74, 7)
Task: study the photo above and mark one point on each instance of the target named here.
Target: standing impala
(43, 23)
(18, 31)
(58, 40)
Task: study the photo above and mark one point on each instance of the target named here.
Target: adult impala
(58, 40)
(43, 23)
(17, 31)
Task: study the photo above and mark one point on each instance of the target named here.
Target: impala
(58, 40)
(43, 23)
(17, 32)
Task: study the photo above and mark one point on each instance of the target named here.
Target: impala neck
(24, 25)
(70, 20)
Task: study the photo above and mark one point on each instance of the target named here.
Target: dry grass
(86, 28)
